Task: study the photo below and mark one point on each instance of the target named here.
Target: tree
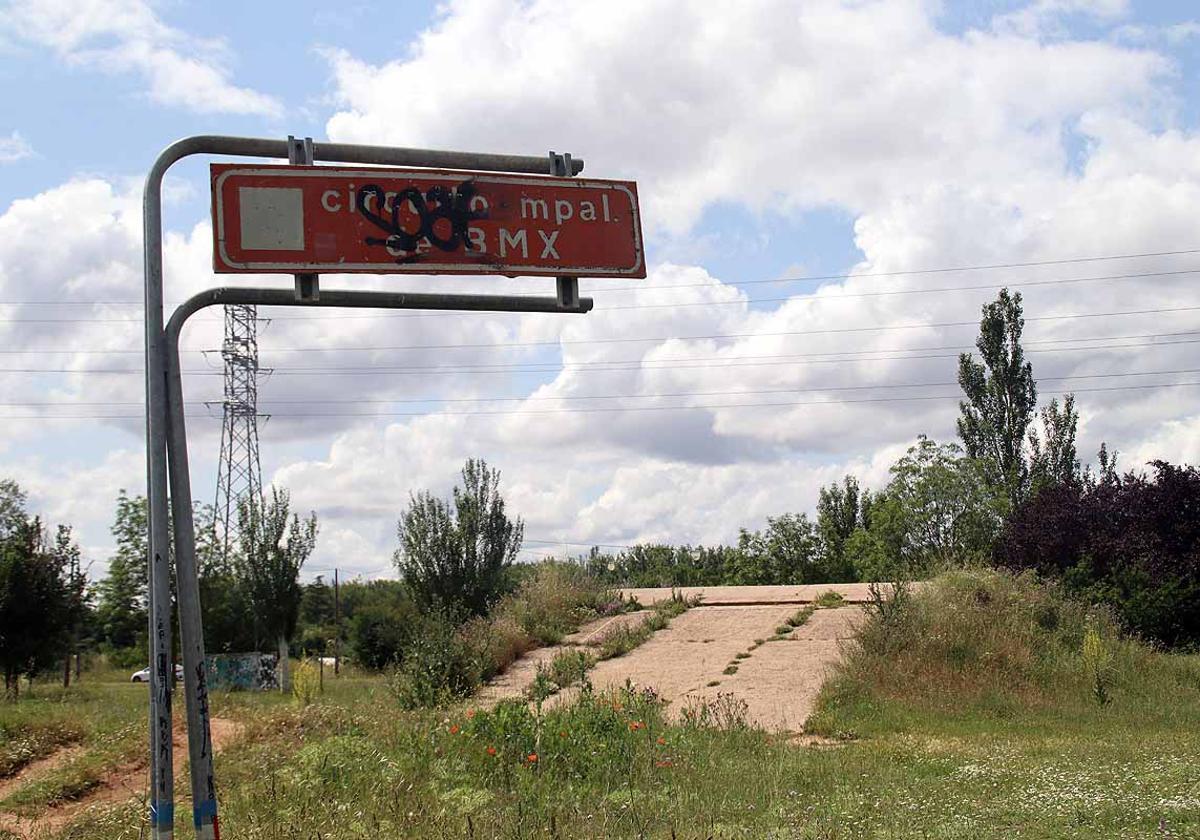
(937, 511)
(838, 516)
(786, 552)
(33, 602)
(123, 591)
(273, 549)
(228, 622)
(1132, 542)
(1001, 396)
(68, 557)
(455, 555)
(316, 605)
(1057, 461)
(12, 508)
(382, 625)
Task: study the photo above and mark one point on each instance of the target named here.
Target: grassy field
(970, 713)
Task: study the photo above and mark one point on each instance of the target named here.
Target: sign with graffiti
(321, 219)
(242, 672)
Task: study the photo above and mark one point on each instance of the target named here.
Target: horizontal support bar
(225, 295)
(354, 153)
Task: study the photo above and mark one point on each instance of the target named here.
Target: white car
(144, 675)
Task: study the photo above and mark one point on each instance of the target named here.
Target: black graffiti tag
(431, 207)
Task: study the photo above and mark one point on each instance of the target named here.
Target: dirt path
(37, 768)
(120, 785)
(778, 681)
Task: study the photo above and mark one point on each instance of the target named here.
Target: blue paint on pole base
(162, 813)
(205, 809)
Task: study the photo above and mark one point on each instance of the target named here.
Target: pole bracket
(568, 287)
(300, 153)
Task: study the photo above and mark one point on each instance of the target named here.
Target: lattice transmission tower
(239, 474)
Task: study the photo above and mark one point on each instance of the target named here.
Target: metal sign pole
(162, 674)
(165, 422)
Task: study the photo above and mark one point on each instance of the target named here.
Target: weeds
(829, 599)
(626, 637)
(306, 682)
(1097, 664)
(725, 713)
(564, 670)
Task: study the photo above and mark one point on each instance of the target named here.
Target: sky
(830, 190)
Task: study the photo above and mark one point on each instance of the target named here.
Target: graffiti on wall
(242, 672)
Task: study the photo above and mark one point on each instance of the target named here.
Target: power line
(652, 395)
(384, 348)
(587, 544)
(831, 331)
(607, 409)
(369, 348)
(798, 279)
(887, 328)
(594, 367)
(626, 307)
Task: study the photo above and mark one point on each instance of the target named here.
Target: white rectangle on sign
(272, 218)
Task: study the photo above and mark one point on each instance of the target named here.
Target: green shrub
(570, 667)
(437, 667)
(379, 633)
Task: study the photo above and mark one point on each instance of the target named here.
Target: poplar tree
(274, 545)
(1001, 398)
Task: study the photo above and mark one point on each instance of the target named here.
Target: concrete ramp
(719, 596)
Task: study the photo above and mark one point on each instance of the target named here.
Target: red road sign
(322, 219)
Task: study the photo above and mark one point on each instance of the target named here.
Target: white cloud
(780, 106)
(14, 147)
(943, 150)
(127, 36)
(1046, 17)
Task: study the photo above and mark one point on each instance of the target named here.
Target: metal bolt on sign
(470, 222)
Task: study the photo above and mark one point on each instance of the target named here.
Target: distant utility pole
(239, 474)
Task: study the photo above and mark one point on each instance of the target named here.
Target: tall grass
(988, 642)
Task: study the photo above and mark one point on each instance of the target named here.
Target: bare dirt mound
(118, 786)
